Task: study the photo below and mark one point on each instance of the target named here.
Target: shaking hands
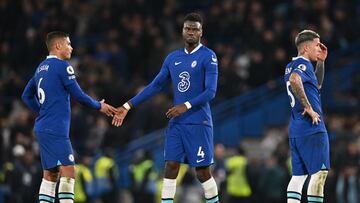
(107, 109)
(119, 116)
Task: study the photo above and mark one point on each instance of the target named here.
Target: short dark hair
(304, 36)
(194, 17)
(51, 36)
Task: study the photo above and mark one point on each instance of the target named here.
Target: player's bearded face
(192, 31)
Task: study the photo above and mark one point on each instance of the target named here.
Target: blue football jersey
(302, 125)
(48, 94)
(194, 79)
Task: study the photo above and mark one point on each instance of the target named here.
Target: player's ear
(57, 45)
(306, 47)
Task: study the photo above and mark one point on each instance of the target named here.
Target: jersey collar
(294, 58)
(51, 56)
(193, 51)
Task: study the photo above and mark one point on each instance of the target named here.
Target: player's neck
(56, 54)
(304, 55)
(190, 47)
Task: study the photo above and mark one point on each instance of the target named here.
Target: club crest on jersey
(71, 158)
(193, 64)
(302, 67)
(70, 70)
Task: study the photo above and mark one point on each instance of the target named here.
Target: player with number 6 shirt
(48, 94)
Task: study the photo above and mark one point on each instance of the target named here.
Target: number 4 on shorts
(200, 152)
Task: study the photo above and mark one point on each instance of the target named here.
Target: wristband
(127, 106)
(188, 105)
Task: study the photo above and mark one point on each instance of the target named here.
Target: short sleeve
(67, 74)
(301, 69)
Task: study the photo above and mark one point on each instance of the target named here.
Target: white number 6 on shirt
(41, 93)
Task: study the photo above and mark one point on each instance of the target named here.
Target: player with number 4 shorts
(193, 72)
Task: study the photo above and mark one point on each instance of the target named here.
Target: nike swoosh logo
(177, 63)
(198, 161)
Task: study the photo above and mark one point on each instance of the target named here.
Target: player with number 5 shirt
(308, 138)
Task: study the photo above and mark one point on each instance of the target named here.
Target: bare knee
(51, 175)
(67, 171)
(317, 182)
(171, 169)
(203, 173)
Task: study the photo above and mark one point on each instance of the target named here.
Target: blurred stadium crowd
(119, 46)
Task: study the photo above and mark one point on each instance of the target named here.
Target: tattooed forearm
(298, 89)
(320, 71)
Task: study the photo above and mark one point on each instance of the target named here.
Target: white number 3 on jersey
(41, 93)
(184, 84)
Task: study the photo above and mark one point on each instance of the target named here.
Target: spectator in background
(348, 182)
(219, 168)
(25, 176)
(106, 175)
(273, 182)
(143, 176)
(237, 185)
(84, 184)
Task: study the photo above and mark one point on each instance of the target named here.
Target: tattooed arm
(299, 92)
(320, 71)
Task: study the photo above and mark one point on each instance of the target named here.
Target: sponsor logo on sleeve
(301, 67)
(70, 70)
(214, 60)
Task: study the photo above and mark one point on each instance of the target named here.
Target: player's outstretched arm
(107, 109)
(298, 89)
(320, 65)
(121, 114)
(81, 97)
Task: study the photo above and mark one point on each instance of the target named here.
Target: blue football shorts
(191, 144)
(55, 150)
(310, 154)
